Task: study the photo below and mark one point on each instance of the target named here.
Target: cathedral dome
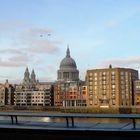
(68, 69)
(68, 62)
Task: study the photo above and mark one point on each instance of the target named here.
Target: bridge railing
(69, 117)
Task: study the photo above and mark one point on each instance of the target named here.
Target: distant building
(33, 93)
(136, 93)
(6, 94)
(70, 94)
(69, 91)
(111, 87)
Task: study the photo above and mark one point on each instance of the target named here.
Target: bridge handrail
(68, 116)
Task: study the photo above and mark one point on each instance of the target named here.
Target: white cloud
(43, 46)
(13, 24)
(27, 43)
(37, 40)
(39, 31)
(11, 51)
(15, 61)
(132, 62)
(34, 39)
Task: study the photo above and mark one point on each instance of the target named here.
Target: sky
(35, 34)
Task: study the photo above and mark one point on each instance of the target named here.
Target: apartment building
(136, 88)
(32, 92)
(111, 87)
(70, 94)
(6, 94)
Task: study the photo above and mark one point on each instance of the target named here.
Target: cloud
(15, 61)
(37, 40)
(13, 24)
(26, 48)
(11, 51)
(39, 31)
(27, 37)
(133, 62)
(43, 46)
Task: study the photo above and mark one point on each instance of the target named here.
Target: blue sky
(99, 33)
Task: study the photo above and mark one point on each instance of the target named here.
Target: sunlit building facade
(70, 94)
(111, 87)
(6, 94)
(136, 88)
(33, 93)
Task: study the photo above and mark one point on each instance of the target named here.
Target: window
(90, 93)
(113, 77)
(113, 95)
(90, 78)
(104, 87)
(122, 87)
(90, 102)
(113, 102)
(96, 97)
(95, 83)
(138, 86)
(113, 86)
(112, 73)
(122, 77)
(73, 75)
(126, 73)
(104, 73)
(113, 81)
(95, 78)
(95, 74)
(95, 87)
(104, 78)
(90, 83)
(122, 73)
(66, 74)
(90, 87)
(90, 74)
(122, 82)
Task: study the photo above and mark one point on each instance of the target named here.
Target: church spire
(26, 74)
(26, 80)
(68, 51)
(33, 76)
